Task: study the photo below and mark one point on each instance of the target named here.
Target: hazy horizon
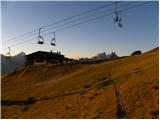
(82, 56)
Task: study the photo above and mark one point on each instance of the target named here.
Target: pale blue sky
(140, 29)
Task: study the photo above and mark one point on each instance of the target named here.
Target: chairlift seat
(8, 54)
(53, 42)
(40, 40)
(8, 57)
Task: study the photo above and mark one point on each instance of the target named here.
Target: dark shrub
(138, 52)
(104, 84)
(87, 86)
(30, 99)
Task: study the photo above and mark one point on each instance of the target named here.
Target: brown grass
(85, 91)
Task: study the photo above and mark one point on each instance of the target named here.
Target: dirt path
(121, 113)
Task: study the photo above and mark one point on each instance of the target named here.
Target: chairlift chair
(40, 38)
(8, 54)
(116, 13)
(120, 19)
(53, 40)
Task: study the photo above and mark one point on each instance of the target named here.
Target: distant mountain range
(99, 56)
(17, 61)
(103, 56)
(8, 65)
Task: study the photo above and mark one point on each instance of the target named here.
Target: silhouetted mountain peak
(20, 54)
(8, 65)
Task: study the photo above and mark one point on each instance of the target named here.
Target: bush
(87, 86)
(30, 99)
(138, 52)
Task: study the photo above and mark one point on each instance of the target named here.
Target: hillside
(122, 88)
(9, 65)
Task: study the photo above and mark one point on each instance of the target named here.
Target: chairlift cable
(71, 17)
(82, 18)
(125, 9)
(72, 21)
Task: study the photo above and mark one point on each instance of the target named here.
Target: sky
(139, 31)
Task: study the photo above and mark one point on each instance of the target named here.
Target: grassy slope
(84, 91)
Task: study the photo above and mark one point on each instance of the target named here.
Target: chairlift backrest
(53, 40)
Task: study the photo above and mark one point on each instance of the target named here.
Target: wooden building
(46, 58)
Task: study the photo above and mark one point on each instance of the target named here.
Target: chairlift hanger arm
(40, 31)
(9, 49)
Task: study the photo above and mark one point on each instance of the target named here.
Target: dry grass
(85, 91)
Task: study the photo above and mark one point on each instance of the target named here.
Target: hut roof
(44, 55)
